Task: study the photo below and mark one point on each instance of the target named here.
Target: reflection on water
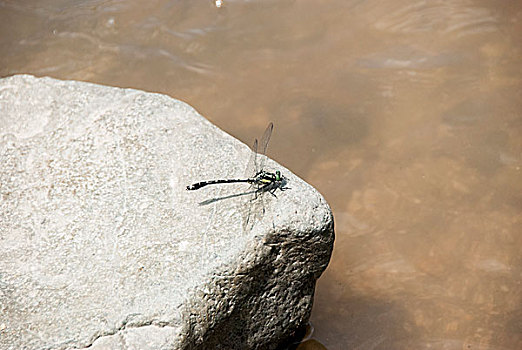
(405, 115)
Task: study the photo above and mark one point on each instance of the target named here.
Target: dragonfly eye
(278, 175)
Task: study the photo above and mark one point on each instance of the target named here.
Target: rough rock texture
(101, 245)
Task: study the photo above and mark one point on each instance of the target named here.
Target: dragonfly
(262, 180)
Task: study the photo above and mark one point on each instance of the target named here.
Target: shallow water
(405, 115)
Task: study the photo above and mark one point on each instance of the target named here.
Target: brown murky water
(406, 115)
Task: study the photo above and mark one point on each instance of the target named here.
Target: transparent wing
(251, 167)
(266, 138)
(260, 162)
(255, 207)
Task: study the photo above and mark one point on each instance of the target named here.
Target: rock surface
(102, 247)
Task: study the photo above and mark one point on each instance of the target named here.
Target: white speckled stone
(101, 246)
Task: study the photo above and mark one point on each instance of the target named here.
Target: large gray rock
(101, 245)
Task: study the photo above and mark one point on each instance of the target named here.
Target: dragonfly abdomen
(198, 185)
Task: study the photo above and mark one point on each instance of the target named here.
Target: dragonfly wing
(266, 137)
(254, 211)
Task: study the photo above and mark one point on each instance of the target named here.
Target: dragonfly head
(278, 175)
